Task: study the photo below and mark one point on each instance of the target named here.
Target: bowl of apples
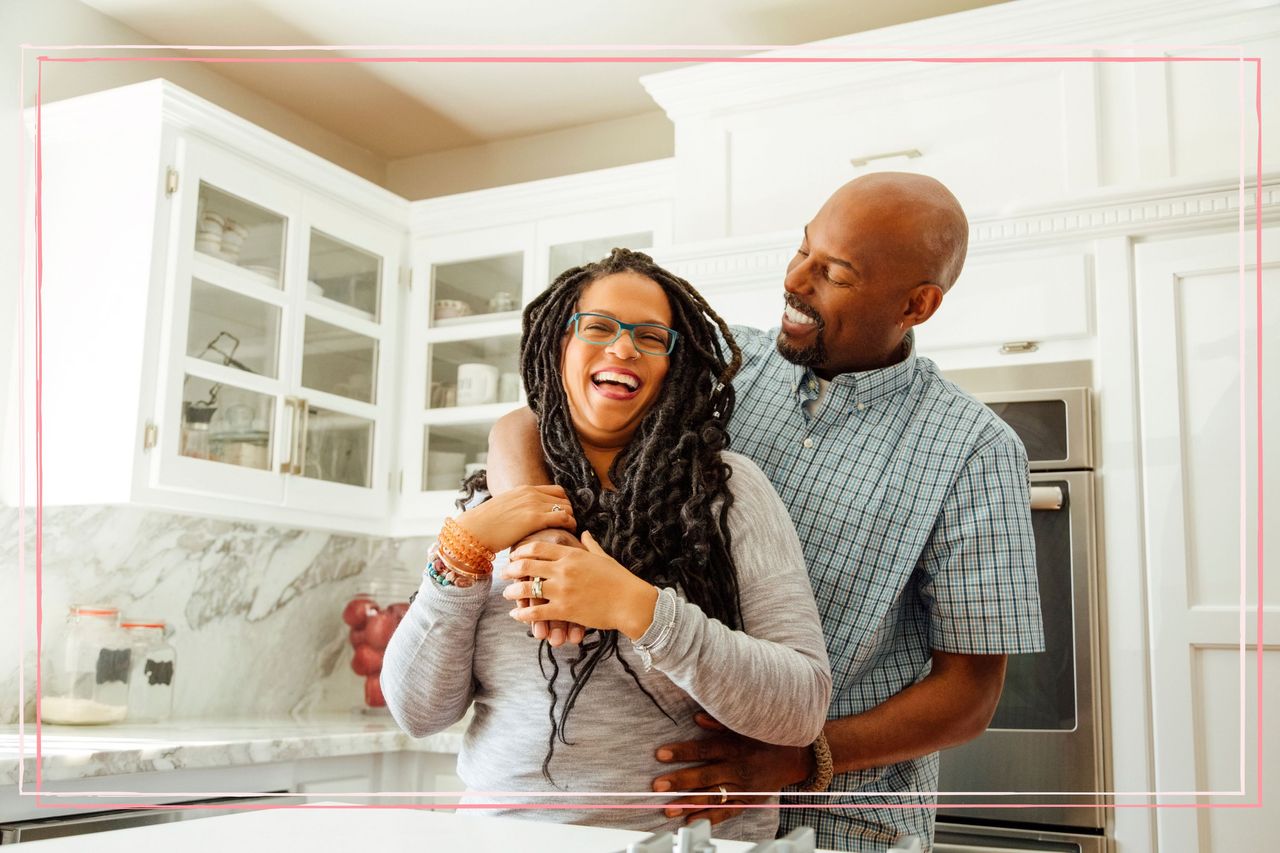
(371, 617)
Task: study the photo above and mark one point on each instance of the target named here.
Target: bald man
(911, 500)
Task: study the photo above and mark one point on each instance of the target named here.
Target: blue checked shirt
(912, 504)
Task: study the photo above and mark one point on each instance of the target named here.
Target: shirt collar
(866, 386)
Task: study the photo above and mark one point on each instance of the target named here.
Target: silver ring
(557, 508)
(537, 588)
(724, 794)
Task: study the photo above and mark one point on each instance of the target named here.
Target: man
(911, 501)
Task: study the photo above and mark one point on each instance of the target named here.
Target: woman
(690, 581)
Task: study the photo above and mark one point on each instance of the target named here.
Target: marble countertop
(77, 752)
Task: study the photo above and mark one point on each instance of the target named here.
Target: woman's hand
(504, 520)
(584, 586)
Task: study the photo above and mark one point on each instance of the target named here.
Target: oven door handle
(1046, 497)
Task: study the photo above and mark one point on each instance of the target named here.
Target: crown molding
(1027, 27)
(742, 262)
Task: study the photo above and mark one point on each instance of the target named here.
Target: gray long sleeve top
(770, 681)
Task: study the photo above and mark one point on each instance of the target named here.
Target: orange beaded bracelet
(465, 550)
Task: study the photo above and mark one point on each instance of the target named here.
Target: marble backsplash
(255, 610)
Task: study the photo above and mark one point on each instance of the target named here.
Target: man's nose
(797, 279)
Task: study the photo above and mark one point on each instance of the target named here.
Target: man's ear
(922, 302)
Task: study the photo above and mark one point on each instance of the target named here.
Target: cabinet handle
(909, 153)
(1019, 347)
(292, 465)
(305, 409)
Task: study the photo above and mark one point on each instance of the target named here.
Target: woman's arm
(773, 682)
(426, 669)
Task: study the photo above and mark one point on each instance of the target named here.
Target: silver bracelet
(664, 615)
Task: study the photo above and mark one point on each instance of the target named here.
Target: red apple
(366, 661)
(378, 631)
(373, 692)
(399, 609)
(358, 611)
(356, 635)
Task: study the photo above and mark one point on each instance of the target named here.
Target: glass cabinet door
(575, 253)
(340, 414)
(220, 424)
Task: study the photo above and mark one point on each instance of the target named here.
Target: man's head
(875, 261)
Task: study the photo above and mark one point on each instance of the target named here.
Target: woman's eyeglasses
(602, 330)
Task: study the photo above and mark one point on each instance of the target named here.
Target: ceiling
(397, 110)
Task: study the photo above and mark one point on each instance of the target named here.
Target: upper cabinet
(282, 353)
(222, 312)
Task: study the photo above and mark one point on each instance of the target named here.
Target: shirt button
(861, 406)
(808, 442)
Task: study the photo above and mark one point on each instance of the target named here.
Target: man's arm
(515, 453)
(515, 459)
(954, 703)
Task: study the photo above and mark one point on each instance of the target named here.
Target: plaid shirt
(911, 501)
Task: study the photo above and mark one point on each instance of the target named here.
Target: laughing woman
(691, 582)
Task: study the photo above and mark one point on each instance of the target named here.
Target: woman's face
(611, 388)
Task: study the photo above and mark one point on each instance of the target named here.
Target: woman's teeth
(630, 382)
(796, 317)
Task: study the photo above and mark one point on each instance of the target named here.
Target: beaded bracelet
(823, 769)
(458, 572)
(464, 548)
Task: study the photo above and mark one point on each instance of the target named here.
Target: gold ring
(724, 794)
(557, 508)
(537, 588)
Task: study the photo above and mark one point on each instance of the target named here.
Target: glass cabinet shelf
(452, 452)
(473, 372)
(343, 276)
(491, 286)
(240, 233)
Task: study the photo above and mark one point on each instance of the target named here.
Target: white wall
(634, 139)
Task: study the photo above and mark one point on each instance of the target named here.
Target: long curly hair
(667, 519)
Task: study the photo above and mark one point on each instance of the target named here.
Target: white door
(1198, 322)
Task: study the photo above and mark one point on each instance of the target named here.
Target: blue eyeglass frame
(629, 328)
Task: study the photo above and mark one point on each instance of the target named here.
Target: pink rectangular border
(496, 56)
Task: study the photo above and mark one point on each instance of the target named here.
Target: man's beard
(813, 355)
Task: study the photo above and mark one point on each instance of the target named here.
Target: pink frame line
(495, 58)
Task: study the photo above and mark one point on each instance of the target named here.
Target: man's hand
(736, 762)
(557, 632)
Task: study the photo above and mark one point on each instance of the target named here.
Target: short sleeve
(979, 567)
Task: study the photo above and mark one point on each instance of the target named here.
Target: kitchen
(1105, 210)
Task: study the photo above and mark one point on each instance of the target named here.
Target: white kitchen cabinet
(1200, 309)
(220, 310)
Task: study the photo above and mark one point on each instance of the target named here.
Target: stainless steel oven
(1047, 736)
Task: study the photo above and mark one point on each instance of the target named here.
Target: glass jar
(86, 676)
(371, 616)
(152, 672)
